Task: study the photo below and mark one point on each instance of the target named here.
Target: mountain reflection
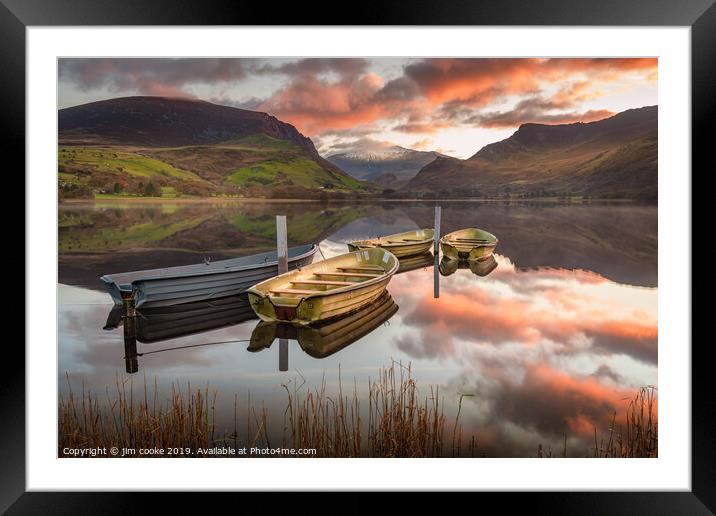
(97, 239)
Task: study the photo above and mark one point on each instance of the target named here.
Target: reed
(399, 422)
(119, 419)
(394, 419)
(638, 436)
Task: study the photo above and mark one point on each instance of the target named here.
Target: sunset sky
(454, 106)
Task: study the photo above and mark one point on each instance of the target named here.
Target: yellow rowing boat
(408, 243)
(468, 244)
(320, 341)
(323, 290)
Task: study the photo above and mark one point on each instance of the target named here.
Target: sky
(451, 105)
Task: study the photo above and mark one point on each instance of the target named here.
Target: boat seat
(324, 282)
(351, 274)
(361, 268)
(294, 291)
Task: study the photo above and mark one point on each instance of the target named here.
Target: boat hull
(463, 253)
(409, 243)
(468, 244)
(324, 305)
(191, 284)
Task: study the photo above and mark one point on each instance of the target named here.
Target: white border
(670, 471)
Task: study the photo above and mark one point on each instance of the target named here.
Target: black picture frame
(699, 15)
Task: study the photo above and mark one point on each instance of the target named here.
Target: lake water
(551, 342)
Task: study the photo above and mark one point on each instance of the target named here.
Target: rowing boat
(478, 267)
(323, 290)
(328, 338)
(198, 282)
(468, 244)
(408, 243)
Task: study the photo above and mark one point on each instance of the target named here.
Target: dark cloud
(537, 110)
(250, 103)
(149, 75)
(360, 144)
(402, 88)
(344, 67)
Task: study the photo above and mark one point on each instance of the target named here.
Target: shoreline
(254, 200)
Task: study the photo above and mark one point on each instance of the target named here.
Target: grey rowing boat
(198, 282)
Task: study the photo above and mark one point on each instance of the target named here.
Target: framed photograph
(435, 249)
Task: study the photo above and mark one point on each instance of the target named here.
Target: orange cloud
(315, 106)
(582, 403)
(425, 143)
(436, 93)
(565, 314)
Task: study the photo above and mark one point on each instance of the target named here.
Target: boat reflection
(162, 323)
(155, 324)
(328, 338)
(478, 267)
(411, 263)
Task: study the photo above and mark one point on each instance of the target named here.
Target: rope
(193, 346)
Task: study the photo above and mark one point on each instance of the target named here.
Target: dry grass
(398, 421)
(639, 436)
(119, 419)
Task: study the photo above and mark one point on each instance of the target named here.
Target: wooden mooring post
(282, 253)
(436, 247)
(282, 243)
(436, 254)
(131, 363)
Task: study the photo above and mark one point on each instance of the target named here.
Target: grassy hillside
(253, 165)
(157, 147)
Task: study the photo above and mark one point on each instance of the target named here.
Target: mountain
(187, 146)
(614, 157)
(370, 165)
(391, 181)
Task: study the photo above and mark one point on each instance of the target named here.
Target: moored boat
(408, 243)
(468, 244)
(323, 290)
(320, 341)
(198, 282)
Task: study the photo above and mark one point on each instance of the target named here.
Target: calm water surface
(550, 342)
